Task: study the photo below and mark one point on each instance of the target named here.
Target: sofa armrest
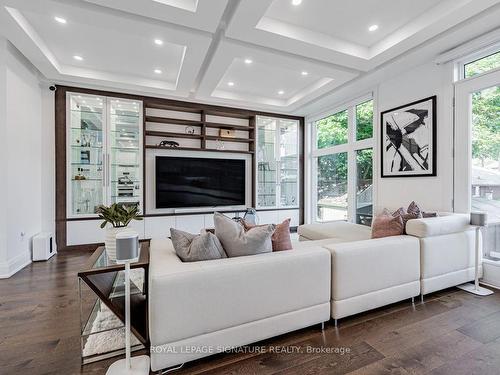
(190, 299)
(365, 266)
(437, 226)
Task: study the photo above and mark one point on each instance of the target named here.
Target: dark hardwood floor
(453, 332)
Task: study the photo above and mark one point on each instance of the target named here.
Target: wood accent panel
(155, 103)
(448, 334)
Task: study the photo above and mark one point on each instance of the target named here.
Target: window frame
(351, 147)
(473, 57)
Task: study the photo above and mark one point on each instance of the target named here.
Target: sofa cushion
(336, 229)
(237, 242)
(437, 226)
(197, 298)
(192, 248)
(363, 267)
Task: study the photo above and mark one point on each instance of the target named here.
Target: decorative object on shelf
(227, 133)
(127, 251)
(119, 217)
(409, 139)
(250, 216)
(478, 219)
(171, 144)
(189, 130)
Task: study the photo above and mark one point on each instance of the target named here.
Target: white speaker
(44, 246)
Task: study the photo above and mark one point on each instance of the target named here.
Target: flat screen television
(199, 182)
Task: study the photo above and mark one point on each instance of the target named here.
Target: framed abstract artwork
(408, 137)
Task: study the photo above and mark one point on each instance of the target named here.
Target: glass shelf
(86, 111)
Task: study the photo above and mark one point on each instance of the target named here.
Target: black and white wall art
(409, 139)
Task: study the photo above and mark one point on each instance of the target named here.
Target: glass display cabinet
(277, 163)
(104, 153)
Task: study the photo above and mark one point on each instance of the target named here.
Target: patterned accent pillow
(281, 237)
(195, 247)
(386, 226)
(414, 209)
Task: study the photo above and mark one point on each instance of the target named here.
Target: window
(364, 120)
(332, 187)
(482, 65)
(332, 130)
(364, 186)
(342, 164)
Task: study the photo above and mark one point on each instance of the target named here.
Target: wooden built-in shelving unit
(164, 122)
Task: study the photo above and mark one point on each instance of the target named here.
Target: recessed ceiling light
(230, 83)
(159, 42)
(281, 92)
(304, 73)
(60, 20)
(77, 57)
(296, 2)
(248, 61)
(158, 71)
(373, 28)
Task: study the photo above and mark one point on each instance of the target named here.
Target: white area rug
(107, 341)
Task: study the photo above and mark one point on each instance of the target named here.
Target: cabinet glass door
(266, 162)
(288, 163)
(85, 142)
(125, 151)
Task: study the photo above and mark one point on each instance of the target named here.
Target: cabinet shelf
(173, 135)
(228, 139)
(197, 149)
(166, 120)
(214, 125)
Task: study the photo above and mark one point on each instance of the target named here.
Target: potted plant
(119, 217)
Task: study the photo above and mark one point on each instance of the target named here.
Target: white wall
(432, 193)
(392, 88)
(27, 160)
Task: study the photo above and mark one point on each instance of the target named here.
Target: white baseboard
(9, 268)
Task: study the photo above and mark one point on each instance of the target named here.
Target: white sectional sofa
(201, 308)
(217, 304)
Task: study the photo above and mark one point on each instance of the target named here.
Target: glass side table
(102, 304)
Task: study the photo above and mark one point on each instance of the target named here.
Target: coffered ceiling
(262, 54)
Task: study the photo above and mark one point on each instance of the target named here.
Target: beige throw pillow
(195, 247)
(237, 242)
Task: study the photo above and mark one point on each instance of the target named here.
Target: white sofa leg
(323, 326)
(412, 300)
(335, 321)
(422, 298)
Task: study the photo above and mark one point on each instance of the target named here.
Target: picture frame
(408, 140)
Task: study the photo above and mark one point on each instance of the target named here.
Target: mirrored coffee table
(102, 304)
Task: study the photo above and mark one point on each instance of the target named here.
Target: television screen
(199, 182)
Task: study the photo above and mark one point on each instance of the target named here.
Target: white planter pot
(110, 240)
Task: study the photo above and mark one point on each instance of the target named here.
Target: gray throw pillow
(195, 247)
(237, 242)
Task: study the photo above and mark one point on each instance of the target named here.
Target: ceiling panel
(116, 49)
(350, 20)
(229, 79)
(198, 14)
(264, 80)
(124, 52)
